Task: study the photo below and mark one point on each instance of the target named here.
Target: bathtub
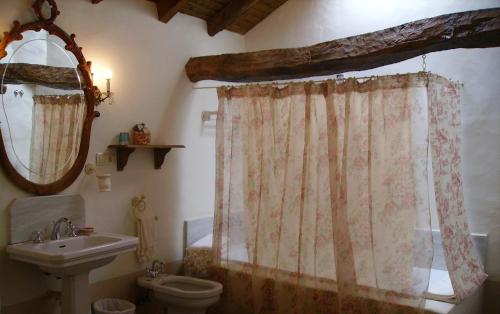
(198, 257)
(440, 296)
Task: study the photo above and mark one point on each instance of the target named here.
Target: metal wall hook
(19, 93)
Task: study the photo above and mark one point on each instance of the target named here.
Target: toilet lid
(187, 287)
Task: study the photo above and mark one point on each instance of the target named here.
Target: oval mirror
(46, 108)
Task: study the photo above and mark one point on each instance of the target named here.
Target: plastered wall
(147, 58)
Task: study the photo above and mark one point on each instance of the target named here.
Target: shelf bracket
(160, 154)
(122, 154)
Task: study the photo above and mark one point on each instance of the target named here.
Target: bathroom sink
(70, 255)
(73, 259)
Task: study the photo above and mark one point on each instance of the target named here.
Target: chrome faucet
(56, 230)
(156, 268)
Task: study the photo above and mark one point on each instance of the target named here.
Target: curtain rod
(338, 77)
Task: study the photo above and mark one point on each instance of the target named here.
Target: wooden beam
(470, 29)
(54, 77)
(228, 15)
(168, 8)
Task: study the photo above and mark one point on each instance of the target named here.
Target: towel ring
(139, 206)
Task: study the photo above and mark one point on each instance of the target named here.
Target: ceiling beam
(470, 29)
(54, 77)
(228, 15)
(168, 8)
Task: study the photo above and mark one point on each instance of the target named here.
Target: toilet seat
(181, 294)
(186, 287)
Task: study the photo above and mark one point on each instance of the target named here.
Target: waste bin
(113, 306)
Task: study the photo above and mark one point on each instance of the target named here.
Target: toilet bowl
(183, 295)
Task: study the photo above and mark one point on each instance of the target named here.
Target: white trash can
(113, 306)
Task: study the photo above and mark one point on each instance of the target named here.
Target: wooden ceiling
(238, 16)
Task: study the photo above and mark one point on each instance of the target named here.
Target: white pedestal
(75, 294)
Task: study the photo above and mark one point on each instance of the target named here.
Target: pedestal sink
(73, 259)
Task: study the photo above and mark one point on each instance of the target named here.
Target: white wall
(300, 23)
(147, 58)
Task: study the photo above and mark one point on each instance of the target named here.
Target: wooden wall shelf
(124, 151)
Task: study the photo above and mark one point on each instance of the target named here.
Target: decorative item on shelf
(141, 134)
(123, 138)
(101, 97)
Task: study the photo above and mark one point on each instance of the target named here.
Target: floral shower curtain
(56, 134)
(322, 195)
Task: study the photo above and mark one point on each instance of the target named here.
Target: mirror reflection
(43, 107)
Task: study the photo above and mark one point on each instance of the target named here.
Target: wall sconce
(101, 97)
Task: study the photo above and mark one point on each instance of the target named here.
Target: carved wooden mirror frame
(47, 23)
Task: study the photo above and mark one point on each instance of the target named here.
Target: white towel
(146, 233)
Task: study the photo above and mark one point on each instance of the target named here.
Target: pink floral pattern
(198, 261)
(464, 267)
(56, 135)
(322, 190)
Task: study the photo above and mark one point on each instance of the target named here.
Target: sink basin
(58, 256)
(73, 259)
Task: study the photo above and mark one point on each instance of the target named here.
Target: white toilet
(183, 295)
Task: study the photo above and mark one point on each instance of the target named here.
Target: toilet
(182, 294)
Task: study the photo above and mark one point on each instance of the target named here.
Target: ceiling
(238, 16)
